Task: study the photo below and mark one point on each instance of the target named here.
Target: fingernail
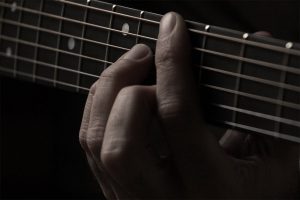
(139, 51)
(167, 24)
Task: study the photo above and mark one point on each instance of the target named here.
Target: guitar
(251, 83)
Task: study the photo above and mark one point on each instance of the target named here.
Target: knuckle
(93, 88)
(94, 138)
(113, 157)
(173, 109)
(115, 72)
(82, 140)
(132, 91)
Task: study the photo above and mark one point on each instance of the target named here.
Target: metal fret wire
(252, 43)
(81, 47)
(18, 34)
(234, 125)
(255, 79)
(237, 82)
(62, 12)
(108, 37)
(37, 39)
(253, 61)
(281, 92)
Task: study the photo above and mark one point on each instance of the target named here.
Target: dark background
(40, 153)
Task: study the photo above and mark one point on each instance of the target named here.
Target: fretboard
(249, 82)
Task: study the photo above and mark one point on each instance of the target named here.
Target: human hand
(123, 120)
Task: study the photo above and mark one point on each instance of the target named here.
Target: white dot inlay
(207, 27)
(88, 1)
(71, 43)
(125, 29)
(289, 45)
(13, 7)
(8, 52)
(246, 35)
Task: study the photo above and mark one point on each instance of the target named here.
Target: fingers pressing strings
(131, 68)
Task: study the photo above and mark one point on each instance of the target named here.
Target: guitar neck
(250, 82)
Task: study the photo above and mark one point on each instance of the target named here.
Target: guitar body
(40, 152)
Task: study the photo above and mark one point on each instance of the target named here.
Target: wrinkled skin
(151, 141)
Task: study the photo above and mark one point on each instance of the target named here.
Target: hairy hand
(151, 141)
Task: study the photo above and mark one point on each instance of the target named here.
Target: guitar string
(231, 124)
(262, 131)
(255, 79)
(260, 115)
(220, 54)
(243, 41)
(257, 97)
(248, 112)
(254, 61)
(253, 43)
(43, 78)
(253, 96)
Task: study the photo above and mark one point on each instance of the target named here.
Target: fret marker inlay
(8, 52)
(71, 43)
(245, 36)
(289, 45)
(125, 29)
(13, 7)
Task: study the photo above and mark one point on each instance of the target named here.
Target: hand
(151, 141)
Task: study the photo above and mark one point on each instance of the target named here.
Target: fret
(109, 36)
(139, 27)
(70, 44)
(18, 34)
(281, 90)
(61, 13)
(49, 40)
(239, 72)
(37, 39)
(149, 29)
(1, 17)
(9, 47)
(203, 43)
(29, 35)
(126, 26)
(94, 49)
(3, 47)
(81, 46)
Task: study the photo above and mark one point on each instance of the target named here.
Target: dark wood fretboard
(250, 82)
